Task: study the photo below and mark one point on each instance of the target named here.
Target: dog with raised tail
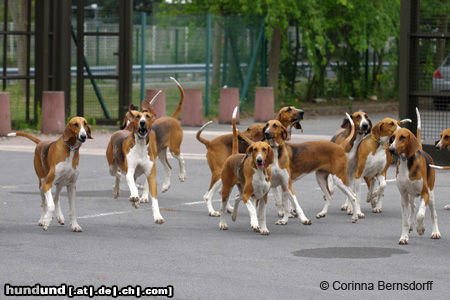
(415, 178)
(442, 144)
(251, 173)
(55, 163)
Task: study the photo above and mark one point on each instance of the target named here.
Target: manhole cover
(349, 252)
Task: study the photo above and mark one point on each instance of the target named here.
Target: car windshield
(447, 62)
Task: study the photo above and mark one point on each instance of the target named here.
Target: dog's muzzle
(267, 135)
(142, 131)
(259, 162)
(365, 128)
(300, 114)
(392, 150)
(82, 137)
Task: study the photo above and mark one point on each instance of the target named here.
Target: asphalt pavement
(122, 246)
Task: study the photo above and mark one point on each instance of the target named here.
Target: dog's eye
(264, 150)
(402, 138)
(85, 124)
(76, 125)
(392, 123)
(392, 139)
(147, 116)
(446, 137)
(358, 117)
(289, 109)
(274, 126)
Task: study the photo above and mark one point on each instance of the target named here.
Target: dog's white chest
(65, 174)
(404, 184)
(139, 159)
(375, 163)
(260, 183)
(279, 176)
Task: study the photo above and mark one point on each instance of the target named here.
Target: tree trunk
(18, 11)
(274, 60)
(216, 55)
(440, 51)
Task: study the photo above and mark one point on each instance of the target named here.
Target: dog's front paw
(134, 201)
(182, 177)
(403, 240)
(377, 210)
(255, 227)
(159, 220)
(60, 220)
(143, 200)
(354, 219)
(349, 211)
(223, 226)
(306, 222)
(361, 215)
(321, 215)
(264, 231)
(420, 229)
(76, 228)
(280, 222)
(436, 235)
(214, 214)
(165, 188)
(116, 193)
(344, 207)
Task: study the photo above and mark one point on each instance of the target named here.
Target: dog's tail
(199, 138)
(419, 125)
(28, 136)
(177, 111)
(346, 144)
(440, 167)
(235, 148)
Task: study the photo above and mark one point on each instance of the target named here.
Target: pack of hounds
(257, 160)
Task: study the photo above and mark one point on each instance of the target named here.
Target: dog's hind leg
(73, 218)
(58, 212)
(145, 191)
(216, 184)
(114, 171)
(43, 208)
(163, 159)
(435, 234)
(177, 155)
(322, 180)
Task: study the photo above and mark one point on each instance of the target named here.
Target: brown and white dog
(251, 173)
(55, 163)
(168, 135)
(133, 153)
(363, 126)
(442, 144)
(321, 157)
(415, 178)
(220, 148)
(372, 161)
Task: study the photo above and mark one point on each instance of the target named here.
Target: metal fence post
(143, 24)
(208, 60)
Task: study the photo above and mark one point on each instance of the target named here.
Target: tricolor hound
(55, 163)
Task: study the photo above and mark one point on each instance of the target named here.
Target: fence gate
(425, 68)
(103, 95)
(16, 38)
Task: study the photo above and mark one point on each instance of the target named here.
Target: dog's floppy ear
(124, 122)
(370, 123)
(413, 145)
(346, 124)
(264, 130)
(284, 133)
(249, 149)
(270, 157)
(437, 142)
(376, 130)
(88, 131)
(68, 133)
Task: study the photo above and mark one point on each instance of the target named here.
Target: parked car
(441, 84)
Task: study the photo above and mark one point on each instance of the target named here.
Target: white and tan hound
(251, 173)
(168, 134)
(133, 153)
(415, 178)
(55, 163)
(442, 144)
(219, 149)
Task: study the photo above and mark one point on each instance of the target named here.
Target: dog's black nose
(142, 123)
(259, 160)
(438, 147)
(392, 150)
(267, 135)
(83, 137)
(300, 114)
(365, 126)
